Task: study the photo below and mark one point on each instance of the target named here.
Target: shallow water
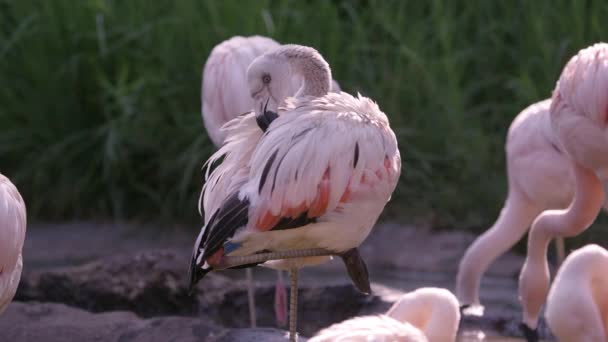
(76, 243)
(499, 293)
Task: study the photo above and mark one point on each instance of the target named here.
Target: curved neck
(583, 210)
(309, 64)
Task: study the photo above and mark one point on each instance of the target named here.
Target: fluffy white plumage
(577, 304)
(310, 136)
(12, 236)
(315, 141)
(426, 314)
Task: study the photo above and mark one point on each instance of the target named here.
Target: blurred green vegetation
(100, 100)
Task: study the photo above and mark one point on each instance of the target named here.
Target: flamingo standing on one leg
(424, 315)
(12, 235)
(577, 304)
(318, 178)
(224, 96)
(579, 112)
(539, 178)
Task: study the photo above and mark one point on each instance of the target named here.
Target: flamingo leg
(280, 301)
(293, 305)
(560, 248)
(234, 261)
(251, 297)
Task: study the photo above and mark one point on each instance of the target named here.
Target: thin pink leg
(280, 301)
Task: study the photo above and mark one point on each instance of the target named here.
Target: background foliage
(100, 100)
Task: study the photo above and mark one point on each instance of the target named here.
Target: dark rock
(149, 284)
(154, 283)
(506, 324)
(59, 323)
(254, 335)
(318, 307)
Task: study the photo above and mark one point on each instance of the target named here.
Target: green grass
(100, 100)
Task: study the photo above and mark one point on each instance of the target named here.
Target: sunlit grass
(100, 100)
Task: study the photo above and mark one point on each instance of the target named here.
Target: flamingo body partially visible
(12, 236)
(578, 113)
(539, 178)
(426, 314)
(224, 90)
(577, 304)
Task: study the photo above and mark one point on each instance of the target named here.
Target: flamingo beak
(265, 117)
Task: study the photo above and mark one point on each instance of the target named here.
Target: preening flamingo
(539, 178)
(225, 95)
(426, 314)
(12, 236)
(577, 305)
(224, 90)
(579, 111)
(317, 178)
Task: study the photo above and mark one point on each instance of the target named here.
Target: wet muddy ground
(400, 258)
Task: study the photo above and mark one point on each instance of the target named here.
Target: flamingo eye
(266, 79)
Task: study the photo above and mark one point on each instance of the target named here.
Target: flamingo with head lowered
(225, 95)
(316, 179)
(539, 178)
(12, 235)
(424, 315)
(579, 112)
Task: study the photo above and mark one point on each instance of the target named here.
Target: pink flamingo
(424, 315)
(12, 235)
(539, 178)
(578, 300)
(578, 116)
(224, 96)
(317, 178)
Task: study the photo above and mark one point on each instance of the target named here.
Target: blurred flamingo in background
(12, 236)
(225, 95)
(578, 300)
(426, 314)
(539, 178)
(578, 115)
(313, 174)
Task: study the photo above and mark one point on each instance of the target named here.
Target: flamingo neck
(308, 63)
(581, 213)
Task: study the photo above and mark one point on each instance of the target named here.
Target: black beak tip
(530, 334)
(195, 274)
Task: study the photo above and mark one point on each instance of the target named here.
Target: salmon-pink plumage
(12, 236)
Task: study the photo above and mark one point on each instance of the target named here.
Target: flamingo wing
(316, 155)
